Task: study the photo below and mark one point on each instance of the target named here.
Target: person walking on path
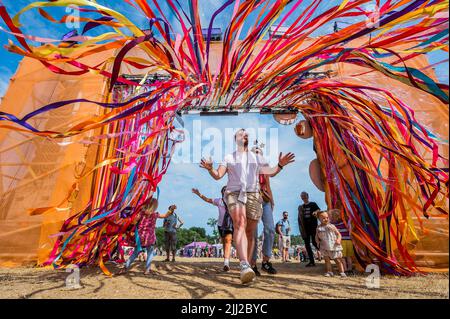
(268, 223)
(284, 238)
(146, 238)
(170, 232)
(224, 224)
(307, 221)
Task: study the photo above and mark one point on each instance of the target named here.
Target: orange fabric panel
(37, 172)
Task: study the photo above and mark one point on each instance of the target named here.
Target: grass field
(203, 278)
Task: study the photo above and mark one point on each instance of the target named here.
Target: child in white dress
(329, 239)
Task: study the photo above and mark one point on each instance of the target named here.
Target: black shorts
(224, 231)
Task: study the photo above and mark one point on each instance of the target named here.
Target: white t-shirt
(243, 170)
(222, 210)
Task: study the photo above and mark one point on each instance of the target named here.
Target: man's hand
(338, 241)
(284, 160)
(196, 191)
(206, 164)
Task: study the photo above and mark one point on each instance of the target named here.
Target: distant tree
(211, 239)
(184, 236)
(159, 236)
(200, 230)
(297, 240)
(212, 222)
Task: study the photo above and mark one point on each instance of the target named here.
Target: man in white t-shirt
(242, 195)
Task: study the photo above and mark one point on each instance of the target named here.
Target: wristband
(281, 167)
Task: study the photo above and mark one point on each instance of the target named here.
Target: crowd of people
(244, 201)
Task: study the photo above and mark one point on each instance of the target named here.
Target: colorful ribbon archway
(382, 165)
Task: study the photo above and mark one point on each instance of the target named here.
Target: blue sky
(176, 186)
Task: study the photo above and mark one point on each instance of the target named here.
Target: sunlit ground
(203, 278)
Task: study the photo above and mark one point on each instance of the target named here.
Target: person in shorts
(284, 239)
(170, 232)
(242, 195)
(224, 224)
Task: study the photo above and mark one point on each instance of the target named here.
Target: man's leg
(269, 231)
(238, 214)
(240, 224)
(250, 230)
(226, 242)
(313, 236)
(255, 248)
(173, 242)
(309, 250)
(280, 247)
(312, 232)
(167, 244)
(269, 238)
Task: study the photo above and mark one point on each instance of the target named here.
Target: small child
(146, 232)
(329, 239)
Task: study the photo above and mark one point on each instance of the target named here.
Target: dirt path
(203, 278)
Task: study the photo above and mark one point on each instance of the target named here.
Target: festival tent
(197, 244)
(194, 245)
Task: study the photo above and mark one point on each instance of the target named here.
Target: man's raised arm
(283, 160)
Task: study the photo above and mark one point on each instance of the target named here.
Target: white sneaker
(247, 274)
(329, 274)
(343, 274)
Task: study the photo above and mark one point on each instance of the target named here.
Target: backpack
(227, 223)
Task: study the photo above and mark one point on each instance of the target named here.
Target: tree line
(186, 236)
